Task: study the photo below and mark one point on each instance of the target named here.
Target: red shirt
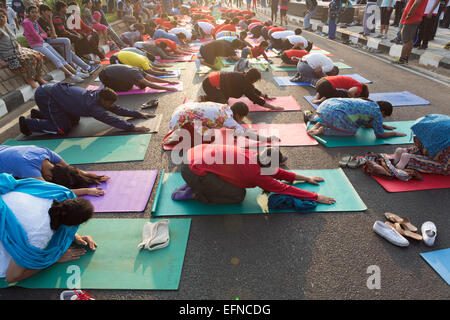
(344, 82)
(244, 172)
(257, 51)
(167, 25)
(418, 14)
(276, 29)
(170, 44)
(295, 53)
(159, 20)
(214, 79)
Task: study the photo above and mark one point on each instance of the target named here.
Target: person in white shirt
(186, 32)
(12, 19)
(40, 218)
(203, 29)
(279, 39)
(314, 66)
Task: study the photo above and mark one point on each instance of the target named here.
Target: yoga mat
(185, 58)
(358, 78)
(347, 199)
(285, 82)
(177, 66)
(399, 99)
(137, 90)
(366, 137)
(440, 261)
(283, 68)
(342, 65)
(320, 51)
(287, 102)
(117, 263)
(90, 127)
(125, 191)
(429, 182)
(95, 149)
(175, 74)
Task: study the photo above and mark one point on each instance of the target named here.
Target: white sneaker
(77, 79)
(75, 295)
(82, 75)
(390, 234)
(429, 233)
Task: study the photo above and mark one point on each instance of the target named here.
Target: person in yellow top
(137, 60)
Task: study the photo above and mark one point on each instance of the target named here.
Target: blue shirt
(161, 34)
(25, 161)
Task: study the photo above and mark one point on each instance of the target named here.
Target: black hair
(309, 46)
(385, 107)
(114, 59)
(70, 212)
(44, 7)
(364, 91)
(264, 43)
(235, 21)
(239, 108)
(71, 177)
(30, 8)
(107, 94)
(253, 75)
(298, 31)
(243, 35)
(59, 5)
(265, 157)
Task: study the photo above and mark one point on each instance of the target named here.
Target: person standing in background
(399, 7)
(311, 6)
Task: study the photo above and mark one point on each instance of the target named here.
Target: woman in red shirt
(339, 87)
(289, 56)
(225, 181)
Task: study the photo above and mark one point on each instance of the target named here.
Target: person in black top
(220, 86)
(120, 77)
(218, 48)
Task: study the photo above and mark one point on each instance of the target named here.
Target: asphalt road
(299, 256)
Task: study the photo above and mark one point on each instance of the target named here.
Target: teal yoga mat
(366, 137)
(117, 263)
(336, 185)
(95, 149)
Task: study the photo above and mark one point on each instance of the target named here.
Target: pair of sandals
(403, 226)
(150, 104)
(352, 162)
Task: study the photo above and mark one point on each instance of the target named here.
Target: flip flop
(400, 220)
(405, 233)
(150, 104)
(429, 232)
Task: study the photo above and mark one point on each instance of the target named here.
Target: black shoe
(36, 114)
(23, 127)
(417, 45)
(423, 47)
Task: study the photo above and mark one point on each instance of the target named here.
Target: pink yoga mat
(125, 191)
(287, 102)
(137, 90)
(291, 135)
(179, 59)
(430, 181)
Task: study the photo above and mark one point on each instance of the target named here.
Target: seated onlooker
(61, 44)
(89, 20)
(18, 59)
(36, 36)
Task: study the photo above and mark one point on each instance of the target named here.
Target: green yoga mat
(95, 149)
(342, 65)
(282, 68)
(336, 185)
(366, 137)
(117, 263)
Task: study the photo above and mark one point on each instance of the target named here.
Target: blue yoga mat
(358, 78)
(399, 99)
(347, 199)
(285, 81)
(440, 261)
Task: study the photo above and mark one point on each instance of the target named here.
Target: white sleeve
(232, 124)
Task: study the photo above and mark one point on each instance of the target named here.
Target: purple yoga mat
(125, 191)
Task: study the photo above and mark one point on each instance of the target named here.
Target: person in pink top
(36, 36)
(220, 174)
